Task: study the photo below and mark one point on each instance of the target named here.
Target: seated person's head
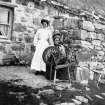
(56, 38)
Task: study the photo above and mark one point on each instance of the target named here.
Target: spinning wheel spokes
(50, 52)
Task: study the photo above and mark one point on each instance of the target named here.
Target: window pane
(4, 30)
(4, 16)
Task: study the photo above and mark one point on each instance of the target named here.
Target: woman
(42, 40)
(58, 44)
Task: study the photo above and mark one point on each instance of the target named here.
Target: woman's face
(57, 41)
(44, 25)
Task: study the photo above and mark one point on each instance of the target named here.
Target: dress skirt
(37, 62)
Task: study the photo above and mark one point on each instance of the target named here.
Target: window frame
(11, 20)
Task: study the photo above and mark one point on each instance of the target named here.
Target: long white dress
(42, 39)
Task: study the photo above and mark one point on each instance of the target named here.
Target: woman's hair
(44, 20)
(56, 36)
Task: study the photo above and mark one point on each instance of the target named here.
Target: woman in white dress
(42, 40)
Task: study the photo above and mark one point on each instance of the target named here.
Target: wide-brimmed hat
(45, 20)
(56, 34)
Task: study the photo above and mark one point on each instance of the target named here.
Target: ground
(22, 73)
(20, 87)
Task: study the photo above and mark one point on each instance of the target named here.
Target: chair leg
(69, 75)
(51, 73)
(55, 76)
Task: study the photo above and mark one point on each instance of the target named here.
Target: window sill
(3, 37)
(4, 40)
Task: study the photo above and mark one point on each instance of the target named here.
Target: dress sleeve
(36, 38)
(51, 39)
(62, 50)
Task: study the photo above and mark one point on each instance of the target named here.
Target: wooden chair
(53, 53)
(58, 67)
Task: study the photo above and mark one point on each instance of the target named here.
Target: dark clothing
(50, 68)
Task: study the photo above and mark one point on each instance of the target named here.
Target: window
(4, 22)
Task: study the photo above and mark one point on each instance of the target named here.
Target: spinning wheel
(50, 56)
(51, 52)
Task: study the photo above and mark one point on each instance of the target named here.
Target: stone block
(18, 16)
(84, 55)
(98, 31)
(99, 66)
(103, 31)
(87, 44)
(76, 33)
(100, 36)
(100, 55)
(96, 65)
(17, 46)
(28, 39)
(99, 48)
(99, 26)
(30, 30)
(25, 57)
(58, 24)
(93, 65)
(96, 42)
(18, 27)
(8, 48)
(84, 34)
(19, 9)
(17, 36)
(93, 52)
(93, 35)
(27, 48)
(9, 59)
(87, 25)
(25, 19)
(1, 57)
(2, 47)
(78, 42)
(103, 44)
(71, 23)
(37, 21)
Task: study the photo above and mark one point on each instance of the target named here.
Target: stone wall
(89, 37)
(91, 56)
(26, 21)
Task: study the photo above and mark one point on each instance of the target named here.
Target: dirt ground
(8, 73)
(20, 87)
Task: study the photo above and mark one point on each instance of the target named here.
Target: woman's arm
(36, 38)
(51, 39)
(62, 50)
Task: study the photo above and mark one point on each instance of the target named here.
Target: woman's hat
(56, 35)
(44, 20)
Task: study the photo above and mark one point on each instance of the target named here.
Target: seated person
(60, 47)
(62, 73)
(62, 60)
